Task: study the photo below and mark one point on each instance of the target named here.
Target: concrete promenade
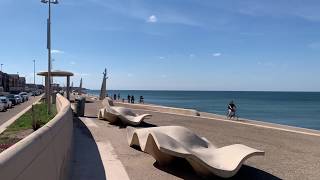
(10, 113)
(289, 154)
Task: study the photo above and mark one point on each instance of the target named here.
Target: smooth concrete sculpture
(112, 114)
(103, 90)
(168, 142)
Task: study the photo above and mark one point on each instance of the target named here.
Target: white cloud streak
(56, 51)
(152, 19)
(216, 54)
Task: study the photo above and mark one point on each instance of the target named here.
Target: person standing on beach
(231, 110)
(115, 97)
(129, 98)
(118, 96)
(141, 100)
(132, 99)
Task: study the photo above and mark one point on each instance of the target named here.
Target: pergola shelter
(58, 74)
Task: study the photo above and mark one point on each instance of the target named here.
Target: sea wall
(44, 154)
(164, 109)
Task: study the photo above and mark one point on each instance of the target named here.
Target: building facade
(4, 82)
(11, 82)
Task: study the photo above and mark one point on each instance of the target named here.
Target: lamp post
(1, 67)
(48, 88)
(34, 78)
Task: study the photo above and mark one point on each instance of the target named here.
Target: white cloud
(161, 57)
(216, 54)
(191, 56)
(152, 19)
(73, 63)
(56, 51)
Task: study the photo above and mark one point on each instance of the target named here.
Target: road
(5, 116)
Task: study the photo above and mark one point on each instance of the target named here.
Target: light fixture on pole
(48, 84)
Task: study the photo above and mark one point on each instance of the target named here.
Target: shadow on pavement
(120, 125)
(182, 169)
(86, 162)
(93, 117)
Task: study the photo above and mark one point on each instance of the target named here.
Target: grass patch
(22, 127)
(41, 115)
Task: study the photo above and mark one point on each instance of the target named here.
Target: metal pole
(34, 78)
(49, 59)
(68, 88)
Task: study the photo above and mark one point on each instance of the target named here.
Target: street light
(34, 78)
(48, 92)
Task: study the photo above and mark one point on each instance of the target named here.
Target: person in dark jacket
(129, 98)
(232, 108)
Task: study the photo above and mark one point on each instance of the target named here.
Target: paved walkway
(289, 155)
(10, 113)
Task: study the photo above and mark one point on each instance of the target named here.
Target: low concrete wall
(44, 154)
(164, 109)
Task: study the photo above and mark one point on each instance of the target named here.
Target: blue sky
(169, 44)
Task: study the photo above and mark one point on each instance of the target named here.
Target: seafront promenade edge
(289, 155)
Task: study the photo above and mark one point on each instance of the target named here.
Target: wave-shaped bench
(168, 142)
(113, 113)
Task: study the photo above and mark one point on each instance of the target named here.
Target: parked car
(35, 93)
(2, 108)
(6, 102)
(24, 95)
(12, 99)
(18, 98)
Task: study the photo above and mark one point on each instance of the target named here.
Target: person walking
(129, 98)
(232, 108)
(132, 99)
(114, 97)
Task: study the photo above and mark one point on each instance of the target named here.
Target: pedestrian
(129, 97)
(118, 96)
(132, 99)
(141, 100)
(114, 97)
(232, 108)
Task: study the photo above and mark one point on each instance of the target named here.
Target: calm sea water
(300, 109)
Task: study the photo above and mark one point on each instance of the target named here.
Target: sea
(300, 109)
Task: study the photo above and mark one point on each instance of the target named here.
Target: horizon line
(208, 90)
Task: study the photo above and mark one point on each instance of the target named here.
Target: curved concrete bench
(44, 154)
(167, 142)
(112, 114)
(163, 109)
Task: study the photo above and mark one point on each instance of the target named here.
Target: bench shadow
(143, 124)
(94, 117)
(86, 161)
(182, 169)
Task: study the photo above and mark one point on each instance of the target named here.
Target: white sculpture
(112, 114)
(168, 142)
